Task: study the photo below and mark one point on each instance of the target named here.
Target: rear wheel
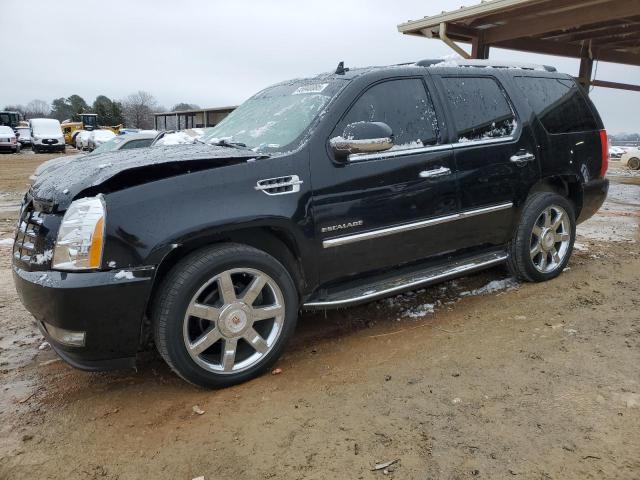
(634, 163)
(544, 239)
(223, 315)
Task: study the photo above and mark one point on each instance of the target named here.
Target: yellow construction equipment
(88, 121)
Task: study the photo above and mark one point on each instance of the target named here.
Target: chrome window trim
(487, 141)
(360, 157)
(383, 232)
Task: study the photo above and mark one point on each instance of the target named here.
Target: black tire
(182, 285)
(520, 261)
(634, 163)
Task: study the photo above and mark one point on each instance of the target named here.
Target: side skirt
(383, 287)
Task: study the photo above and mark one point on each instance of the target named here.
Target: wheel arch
(568, 186)
(275, 241)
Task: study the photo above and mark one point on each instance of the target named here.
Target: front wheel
(543, 241)
(634, 163)
(224, 314)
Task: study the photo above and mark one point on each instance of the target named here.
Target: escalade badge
(342, 226)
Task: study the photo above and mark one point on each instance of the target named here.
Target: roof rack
(460, 62)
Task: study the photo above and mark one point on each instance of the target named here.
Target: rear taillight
(604, 141)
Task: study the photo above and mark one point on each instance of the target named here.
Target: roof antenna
(341, 70)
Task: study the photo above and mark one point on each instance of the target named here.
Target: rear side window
(558, 103)
(480, 108)
(402, 104)
(144, 142)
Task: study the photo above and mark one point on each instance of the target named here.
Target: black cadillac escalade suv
(315, 193)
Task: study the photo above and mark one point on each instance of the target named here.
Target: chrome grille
(29, 247)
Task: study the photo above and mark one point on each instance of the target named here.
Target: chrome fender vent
(279, 185)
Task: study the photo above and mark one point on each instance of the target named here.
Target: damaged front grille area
(33, 245)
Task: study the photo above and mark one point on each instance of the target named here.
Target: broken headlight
(81, 236)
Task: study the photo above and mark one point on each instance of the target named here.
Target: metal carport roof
(606, 30)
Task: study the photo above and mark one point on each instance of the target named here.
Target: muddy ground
(502, 380)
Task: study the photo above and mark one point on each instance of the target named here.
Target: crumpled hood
(59, 185)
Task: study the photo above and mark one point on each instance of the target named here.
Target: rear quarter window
(558, 103)
(480, 108)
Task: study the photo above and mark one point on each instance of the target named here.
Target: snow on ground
(420, 310)
(492, 287)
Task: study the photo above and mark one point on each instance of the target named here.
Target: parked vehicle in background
(98, 137)
(9, 119)
(631, 158)
(82, 140)
(315, 193)
(46, 135)
(615, 153)
(125, 131)
(8, 140)
(125, 142)
(180, 137)
(88, 121)
(24, 135)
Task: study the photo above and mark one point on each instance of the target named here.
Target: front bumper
(594, 193)
(45, 144)
(107, 306)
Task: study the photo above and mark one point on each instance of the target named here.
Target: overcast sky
(218, 53)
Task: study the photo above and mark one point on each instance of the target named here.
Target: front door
(380, 210)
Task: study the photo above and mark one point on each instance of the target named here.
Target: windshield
(276, 117)
(108, 146)
(24, 132)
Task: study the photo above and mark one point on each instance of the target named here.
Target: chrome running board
(408, 281)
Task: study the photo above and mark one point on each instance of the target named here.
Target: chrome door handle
(436, 172)
(523, 158)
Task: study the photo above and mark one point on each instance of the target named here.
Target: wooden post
(586, 70)
(479, 50)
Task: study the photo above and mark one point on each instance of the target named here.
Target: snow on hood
(46, 126)
(103, 134)
(68, 178)
(176, 138)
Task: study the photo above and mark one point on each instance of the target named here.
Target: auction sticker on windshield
(315, 88)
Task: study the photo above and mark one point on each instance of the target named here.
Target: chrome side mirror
(362, 137)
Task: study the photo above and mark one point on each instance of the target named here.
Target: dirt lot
(502, 380)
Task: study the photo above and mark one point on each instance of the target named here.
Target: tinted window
(145, 142)
(404, 105)
(559, 104)
(480, 108)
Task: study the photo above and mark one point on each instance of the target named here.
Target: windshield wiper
(226, 143)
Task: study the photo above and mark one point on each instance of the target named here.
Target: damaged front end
(88, 305)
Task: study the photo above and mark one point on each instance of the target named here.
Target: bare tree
(37, 108)
(138, 109)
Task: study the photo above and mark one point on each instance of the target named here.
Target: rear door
(374, 211)
(496, 156)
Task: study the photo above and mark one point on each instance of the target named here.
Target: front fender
(146, 222)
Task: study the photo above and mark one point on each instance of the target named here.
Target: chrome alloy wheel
(550, 239)
(234, 320)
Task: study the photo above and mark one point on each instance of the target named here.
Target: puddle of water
(619, 218)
